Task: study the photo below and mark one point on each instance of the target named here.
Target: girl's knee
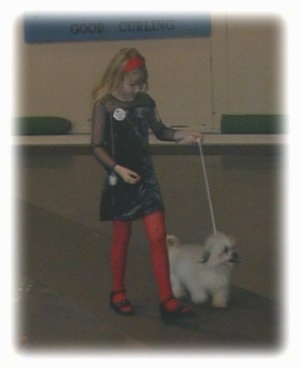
(122, 232)
(155, 227)
(158, 235)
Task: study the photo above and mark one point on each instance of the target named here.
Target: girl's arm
(164, 133)
(99, 151)
(161, 131)
(98, 120)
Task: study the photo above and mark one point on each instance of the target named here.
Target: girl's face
(130, 89)
(131, 85)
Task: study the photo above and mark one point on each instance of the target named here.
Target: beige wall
(194, 81)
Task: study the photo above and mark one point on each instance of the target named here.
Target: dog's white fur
(202, 271)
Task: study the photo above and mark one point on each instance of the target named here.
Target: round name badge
(119, 114)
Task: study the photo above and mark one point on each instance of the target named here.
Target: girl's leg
(156, 232)
(118, 259)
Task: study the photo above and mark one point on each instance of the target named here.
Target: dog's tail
(173, 241)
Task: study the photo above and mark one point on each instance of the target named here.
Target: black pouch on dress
(108, 200)
(107, 203)
(118, 201)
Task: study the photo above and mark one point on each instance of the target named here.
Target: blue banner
(61, 28)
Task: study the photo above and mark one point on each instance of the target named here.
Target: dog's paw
(220, 301)
(219, 305)
(179, 292)
(199, 297)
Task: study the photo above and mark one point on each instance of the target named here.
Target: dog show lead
(122, 114)
(212, 216)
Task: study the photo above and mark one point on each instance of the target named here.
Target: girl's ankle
(118, 295)
(170, 303)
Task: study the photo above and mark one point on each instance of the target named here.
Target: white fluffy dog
(202, 271)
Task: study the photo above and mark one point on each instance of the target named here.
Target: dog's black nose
(234, 257)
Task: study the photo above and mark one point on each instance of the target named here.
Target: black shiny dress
(120, 135)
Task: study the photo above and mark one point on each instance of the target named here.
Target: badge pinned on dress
(119, 114)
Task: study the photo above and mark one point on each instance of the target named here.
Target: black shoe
(180, 312)
(122, 307)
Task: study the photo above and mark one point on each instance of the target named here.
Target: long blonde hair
(114, 73)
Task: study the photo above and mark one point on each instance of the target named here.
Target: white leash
(207, 187)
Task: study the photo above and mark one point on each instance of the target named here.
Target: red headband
(134, 63)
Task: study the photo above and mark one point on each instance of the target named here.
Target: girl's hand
(128, 176)
(188, 136)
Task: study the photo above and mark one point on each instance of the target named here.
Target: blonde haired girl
(122, 116)
(114, 73)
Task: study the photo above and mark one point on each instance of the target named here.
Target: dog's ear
(205, 257)
(172, 241)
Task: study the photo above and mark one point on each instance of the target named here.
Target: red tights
(156, 233)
